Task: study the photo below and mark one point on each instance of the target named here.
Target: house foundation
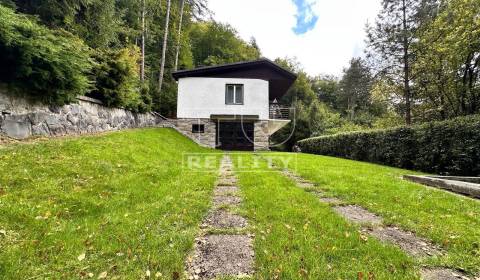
(201, 131)
(205, 132)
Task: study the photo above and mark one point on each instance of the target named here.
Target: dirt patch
(222, 219)
(221, 255)
(227, 173)
(225, 190)
(302, 183)
(291, 175)
(407, 241)
(325, 199)
(442, 274)
(231, 200)
(227, 181)
(357, 214)
(330, 200)
(305, 185)
(316, 193)
(6, 140)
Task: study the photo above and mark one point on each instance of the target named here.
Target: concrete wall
(201, 97)
(20, 118)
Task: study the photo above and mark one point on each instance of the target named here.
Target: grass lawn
(119, 203)
(453, 221)
(297, 237)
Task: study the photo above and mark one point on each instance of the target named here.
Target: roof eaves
(206, 69)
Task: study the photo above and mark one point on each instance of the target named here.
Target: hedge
(449, 147)
(52, 65)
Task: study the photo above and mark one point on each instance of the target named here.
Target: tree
(114, 25)
(354, 88)
(311, 117)
(216, 43)
(164, 48)
(95, 21)
(51, 65)
(390, 42)
(326, 88)
(142, 63)
(448, 61)
(179, 33)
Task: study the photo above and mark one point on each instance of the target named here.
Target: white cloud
(338, 35)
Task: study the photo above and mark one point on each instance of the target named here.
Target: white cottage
(233, 106)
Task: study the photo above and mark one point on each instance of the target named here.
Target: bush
(117, 79)
(449, 147)
(52, 65)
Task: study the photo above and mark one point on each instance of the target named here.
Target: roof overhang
(280, 79)
(235, 117)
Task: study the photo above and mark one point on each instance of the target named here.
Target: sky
(322, 34)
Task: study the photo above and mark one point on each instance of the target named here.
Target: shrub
(52, 65)
(117, 79)
(449, 147)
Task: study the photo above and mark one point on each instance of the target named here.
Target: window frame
(235, 94)
(200, 128)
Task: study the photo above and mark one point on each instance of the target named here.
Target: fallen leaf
(81, 257)
(103, 275)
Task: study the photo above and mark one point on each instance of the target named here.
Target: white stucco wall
(201, 97)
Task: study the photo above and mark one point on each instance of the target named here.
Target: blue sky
(323, 35)
(306, 17)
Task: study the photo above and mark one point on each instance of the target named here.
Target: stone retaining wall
(21, 118)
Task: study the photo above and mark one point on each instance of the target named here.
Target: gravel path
(229, 254)
(373, 225)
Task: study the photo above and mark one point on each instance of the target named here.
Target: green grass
(297, 237)
(125, 200)
(122, 199)
(451, 220)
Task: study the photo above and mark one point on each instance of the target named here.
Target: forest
(421, 62)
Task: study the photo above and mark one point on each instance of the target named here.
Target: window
(198, 128)
(234, 95)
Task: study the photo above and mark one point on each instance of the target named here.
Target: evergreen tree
(354, 88)
(390, 42)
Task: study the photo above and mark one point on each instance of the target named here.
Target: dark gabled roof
(279, 78)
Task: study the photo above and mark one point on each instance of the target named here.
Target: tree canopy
(422, 60)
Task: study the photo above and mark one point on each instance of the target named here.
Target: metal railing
(279, 111)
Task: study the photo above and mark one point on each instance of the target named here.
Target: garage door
(236, 136)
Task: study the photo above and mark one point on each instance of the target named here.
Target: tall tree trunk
(164, 48)
(464, 92)
(406, 68)
(182, 5)
(142, 66)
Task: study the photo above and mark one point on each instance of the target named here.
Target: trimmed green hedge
(448, 147)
